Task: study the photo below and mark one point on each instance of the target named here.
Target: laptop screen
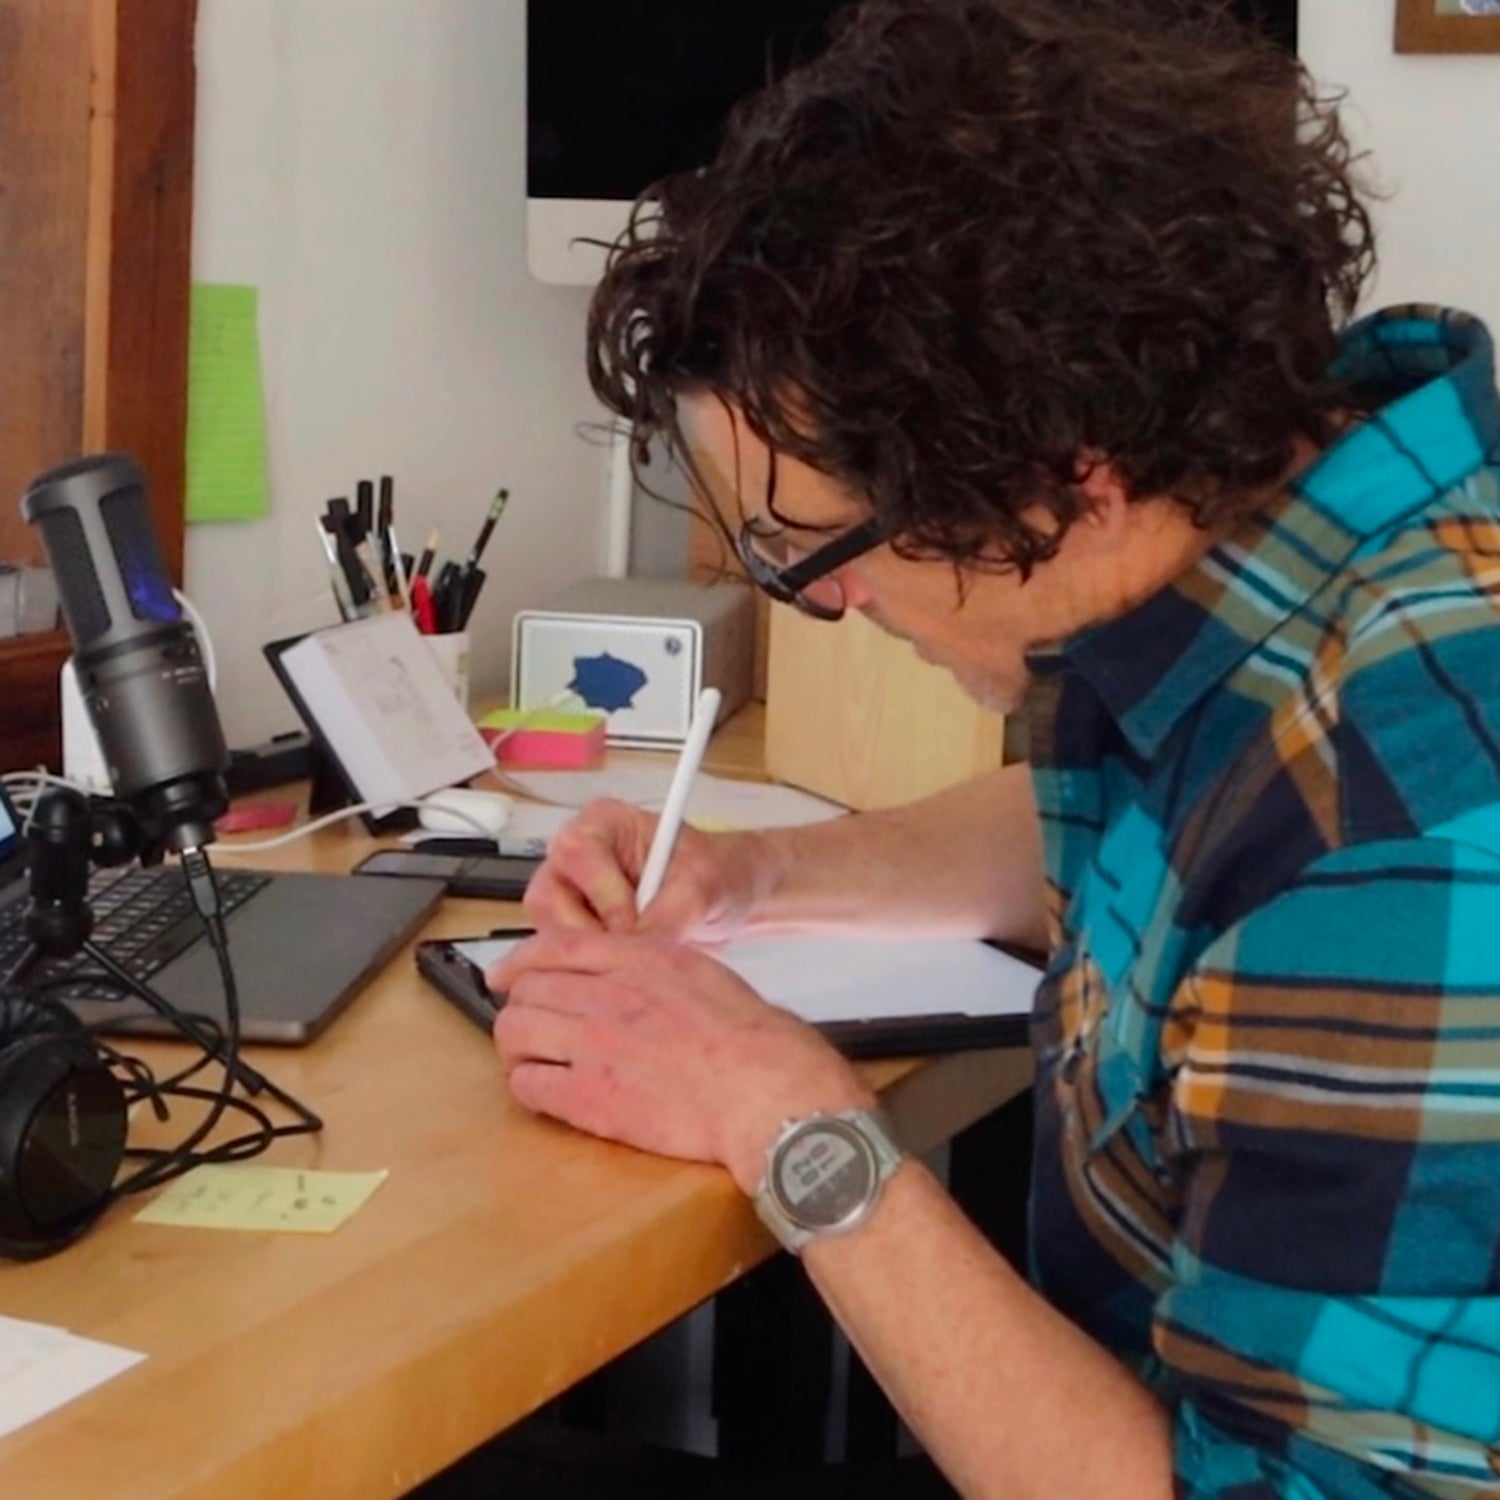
(10, 828)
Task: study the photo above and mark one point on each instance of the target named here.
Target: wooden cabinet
(855, 715)
(96, 164)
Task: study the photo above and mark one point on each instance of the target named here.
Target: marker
(424, 563)
(385, 515)
(669, 825)
(364, 505)
(421, 606)
(385, 511)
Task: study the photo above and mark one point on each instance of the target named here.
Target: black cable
(216, 1043)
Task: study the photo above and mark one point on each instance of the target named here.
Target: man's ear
(1104, 498)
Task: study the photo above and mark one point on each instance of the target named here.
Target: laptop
(302, 946)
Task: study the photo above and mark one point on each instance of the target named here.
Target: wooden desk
(505, 1258)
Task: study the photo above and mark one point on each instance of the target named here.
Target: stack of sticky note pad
(544, 741)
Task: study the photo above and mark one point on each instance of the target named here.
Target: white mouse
(465, 812)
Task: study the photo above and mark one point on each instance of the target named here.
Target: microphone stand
(63, 843)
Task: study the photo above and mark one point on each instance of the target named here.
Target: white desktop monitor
(622, 92)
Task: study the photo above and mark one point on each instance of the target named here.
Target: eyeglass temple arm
(822, 561)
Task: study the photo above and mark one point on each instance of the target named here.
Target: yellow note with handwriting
(234, 1195)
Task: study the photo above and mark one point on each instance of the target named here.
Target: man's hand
(593, 864)
(661, 1047)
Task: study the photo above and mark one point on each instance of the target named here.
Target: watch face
(824, 1174)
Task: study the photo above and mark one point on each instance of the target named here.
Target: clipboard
(448, 965)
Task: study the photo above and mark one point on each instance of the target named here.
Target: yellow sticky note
(226, 416)
(237, 1196)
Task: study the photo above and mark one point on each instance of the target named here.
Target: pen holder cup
(451, 654)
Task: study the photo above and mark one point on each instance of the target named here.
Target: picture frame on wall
(1448, 25)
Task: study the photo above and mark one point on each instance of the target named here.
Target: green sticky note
(238, 1196)
(226, 426)
(550, 722)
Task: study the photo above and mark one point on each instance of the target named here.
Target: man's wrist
(770, 859)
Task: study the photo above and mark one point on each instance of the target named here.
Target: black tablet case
(902, 1036)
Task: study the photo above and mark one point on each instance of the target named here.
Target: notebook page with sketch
(384, 708)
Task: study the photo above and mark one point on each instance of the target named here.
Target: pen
(365, 552)
(398, 567)
(337, 526)
(424, 563)
(497, 506)
(669, 825)
(337, 579)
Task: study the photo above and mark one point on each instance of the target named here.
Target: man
(1012, 325)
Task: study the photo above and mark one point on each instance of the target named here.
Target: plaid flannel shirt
(1268, 1042)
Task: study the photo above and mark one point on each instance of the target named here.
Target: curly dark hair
(978, 244)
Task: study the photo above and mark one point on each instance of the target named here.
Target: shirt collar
(1427, 375)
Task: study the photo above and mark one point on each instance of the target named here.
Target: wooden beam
(150, 245)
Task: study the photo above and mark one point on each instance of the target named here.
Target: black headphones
(62, 1128)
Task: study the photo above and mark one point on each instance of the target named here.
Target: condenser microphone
(137, 659)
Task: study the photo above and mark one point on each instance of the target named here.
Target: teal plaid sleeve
(1332, 1325)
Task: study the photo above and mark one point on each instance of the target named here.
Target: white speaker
(638, 650)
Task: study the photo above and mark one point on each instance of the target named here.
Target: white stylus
(659, 856)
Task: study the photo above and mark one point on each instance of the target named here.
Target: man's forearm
(965, 862)
(1008, 1396)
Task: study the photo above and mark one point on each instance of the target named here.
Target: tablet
(869, 997)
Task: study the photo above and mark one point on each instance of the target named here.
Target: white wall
(362, 162)
(1432, 124)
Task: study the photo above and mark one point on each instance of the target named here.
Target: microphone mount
(66, 834)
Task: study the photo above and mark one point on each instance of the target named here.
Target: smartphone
(498, 877)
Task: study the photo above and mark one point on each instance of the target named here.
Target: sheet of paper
(716, 802)
(226, 420)
(863, 979)
(42, 1367)
(237, 1196)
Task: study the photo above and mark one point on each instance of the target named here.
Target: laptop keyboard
(143, 919)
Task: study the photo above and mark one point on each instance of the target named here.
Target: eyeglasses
(792, 575)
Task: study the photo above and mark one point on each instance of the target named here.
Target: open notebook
(870, 996)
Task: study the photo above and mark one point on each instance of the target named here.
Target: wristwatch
(824, 1174)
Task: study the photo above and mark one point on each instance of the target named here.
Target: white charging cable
(205, 640)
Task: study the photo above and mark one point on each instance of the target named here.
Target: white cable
(40, 780)
(205, 640)
(337, 816)
(29, 786)
(532, 715)
(345, 812)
